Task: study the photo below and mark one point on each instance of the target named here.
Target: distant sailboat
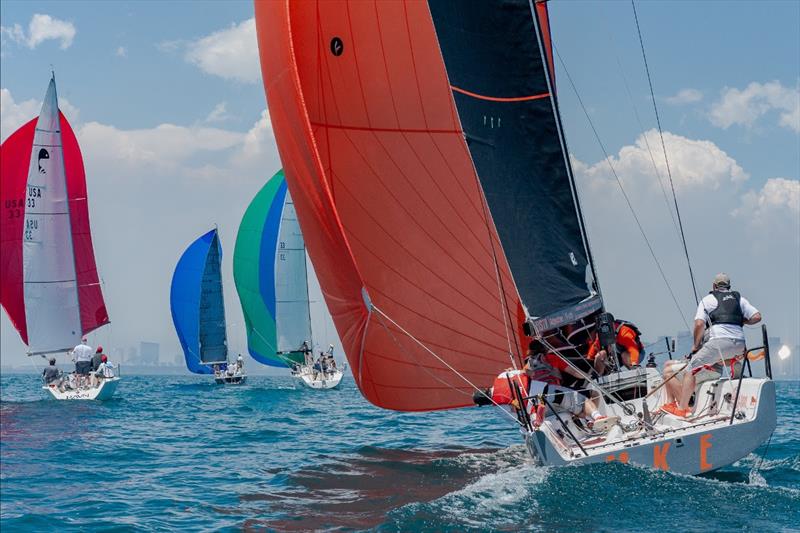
(48, 278)
(198, 311)
(270, 269)
(423, 147)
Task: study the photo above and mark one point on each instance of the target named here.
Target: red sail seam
(424, 317)
(355, 64)
(498, 98)
(414, 66)
(435, 182)
(423, 265)
(442, 368)
(391, 130)
(400, 204)
(411, 217)
(386, 66)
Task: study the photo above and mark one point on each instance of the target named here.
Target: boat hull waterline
(104, 391)
(707, 444)
(319, 380)
(231, 380)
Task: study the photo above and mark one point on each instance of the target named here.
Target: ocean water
(179, 452)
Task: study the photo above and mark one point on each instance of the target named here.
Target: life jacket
(729, 308)
(501, 392)
(618, 324)
(541, 370)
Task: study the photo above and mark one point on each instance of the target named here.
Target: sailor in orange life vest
(727, 311)
(544, 370)
(541, 376)
(629, 348)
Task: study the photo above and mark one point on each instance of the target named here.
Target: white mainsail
(52, 311)
(293, 319)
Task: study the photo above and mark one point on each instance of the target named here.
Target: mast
(308, 296)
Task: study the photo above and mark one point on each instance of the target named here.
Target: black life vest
(729, 308)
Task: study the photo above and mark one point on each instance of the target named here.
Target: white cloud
(685, 96)
(260, 138)
(695, 164)
(14, 33)
(231, 53)
(777, 196)
(752, 232)
(13, 114)
(744, 107)
(219, 113)
(122, 52)
(41, 28)
(164, 148)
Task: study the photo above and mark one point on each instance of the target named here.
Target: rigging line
(622, 189)
(422, 345)
(666, 159)
(500, 285)
(644, 136)
(625, 406)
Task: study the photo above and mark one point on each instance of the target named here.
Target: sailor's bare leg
(600, 361)
(672, 385)
(687, 389)
(589, 407)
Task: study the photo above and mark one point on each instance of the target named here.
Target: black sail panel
(501, 89)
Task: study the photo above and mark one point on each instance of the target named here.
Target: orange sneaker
(673, 409)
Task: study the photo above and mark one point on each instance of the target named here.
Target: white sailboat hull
(318, 380)
(239, 379)
(104, 391)
(691, 447)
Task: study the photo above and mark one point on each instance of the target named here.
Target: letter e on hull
(705, 445)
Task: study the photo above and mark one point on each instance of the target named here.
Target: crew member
(82, 355)
(628, 344)
(51, 374)
(308, 353)
(97, 358)
(545, 372)
(104, 371)
(727, 312)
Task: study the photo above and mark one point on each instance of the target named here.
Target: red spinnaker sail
(15, 155)
(388, 199)
(90, 296)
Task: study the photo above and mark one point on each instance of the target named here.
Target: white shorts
(565, 400)
(714, 352)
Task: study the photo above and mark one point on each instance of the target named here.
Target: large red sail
(15, 158)
(15, 155)
(90, 296)
(388, 200)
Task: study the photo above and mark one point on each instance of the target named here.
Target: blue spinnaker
(196, 302)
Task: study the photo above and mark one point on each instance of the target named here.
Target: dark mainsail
(497, 60)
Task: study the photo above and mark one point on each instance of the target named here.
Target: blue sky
(170, 112)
